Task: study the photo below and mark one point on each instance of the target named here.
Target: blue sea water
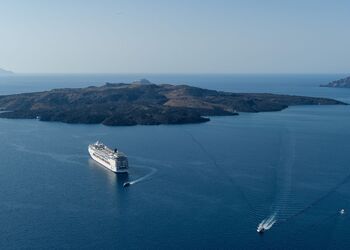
(198, 186)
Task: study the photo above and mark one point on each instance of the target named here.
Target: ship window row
(101, 158)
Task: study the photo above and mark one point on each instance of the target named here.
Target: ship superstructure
(114, 160)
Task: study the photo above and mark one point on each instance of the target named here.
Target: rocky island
(144, 103)
(342, 83)
(5, 72)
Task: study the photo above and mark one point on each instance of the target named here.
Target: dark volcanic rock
(142, 103)
(342, 83)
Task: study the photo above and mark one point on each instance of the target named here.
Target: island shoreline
(144, 103)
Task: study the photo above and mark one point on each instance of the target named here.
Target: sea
(195, 186)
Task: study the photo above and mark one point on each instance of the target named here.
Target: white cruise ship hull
(107, 163)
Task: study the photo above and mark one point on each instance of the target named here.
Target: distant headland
(5, 72)
(143, 102)
(341, 83)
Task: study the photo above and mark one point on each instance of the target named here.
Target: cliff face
(131, 104)
(342, 83)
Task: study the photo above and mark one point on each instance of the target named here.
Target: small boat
(260, 229)
(126, 184)
(342, 211)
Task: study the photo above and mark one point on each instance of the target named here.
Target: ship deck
(107, 152)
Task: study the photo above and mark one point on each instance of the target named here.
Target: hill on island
(5, 72)
(142, 103)
(341, 83)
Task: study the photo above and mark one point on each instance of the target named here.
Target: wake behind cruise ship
(113, 160)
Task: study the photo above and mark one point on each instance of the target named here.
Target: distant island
(5, 72)
(342, 83)
(142, 102)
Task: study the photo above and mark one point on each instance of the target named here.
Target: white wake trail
(153, 171)
(283, 197)
(270, 222)
(65, 158)
(266, 224)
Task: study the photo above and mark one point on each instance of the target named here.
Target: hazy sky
(178, 36)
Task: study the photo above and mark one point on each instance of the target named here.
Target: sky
(178, 36)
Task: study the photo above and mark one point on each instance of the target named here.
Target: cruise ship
(114, 160)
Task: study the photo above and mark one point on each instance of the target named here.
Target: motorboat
(260, 229)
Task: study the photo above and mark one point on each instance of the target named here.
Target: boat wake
(152, 172)
(281, 209)
(267, 223)
(64, 158)
(320, 199)
(252, 209)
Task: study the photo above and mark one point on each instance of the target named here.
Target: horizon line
(177, 73)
